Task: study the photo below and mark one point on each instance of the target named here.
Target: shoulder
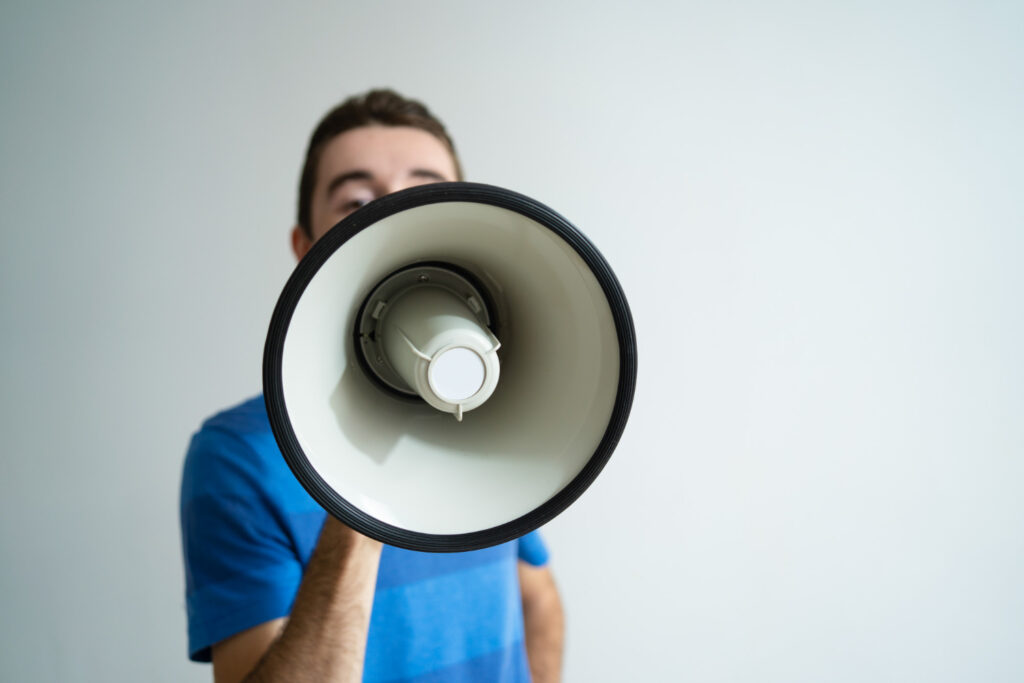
(533, 550)
(235, 448)
(246, 423)
(236, 485)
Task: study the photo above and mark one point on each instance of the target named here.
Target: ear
(300, 242)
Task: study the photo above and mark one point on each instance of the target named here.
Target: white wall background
(815, 208)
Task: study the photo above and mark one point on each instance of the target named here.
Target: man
(279, 591)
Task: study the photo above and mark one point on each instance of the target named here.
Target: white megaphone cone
(450, 367)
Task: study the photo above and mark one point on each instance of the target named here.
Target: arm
(325, 636)
(543, 621)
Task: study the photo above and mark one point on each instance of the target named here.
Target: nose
(396, 185)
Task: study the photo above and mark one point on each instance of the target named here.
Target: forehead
(384, 151)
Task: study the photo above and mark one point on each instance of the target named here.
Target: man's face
(365, 163)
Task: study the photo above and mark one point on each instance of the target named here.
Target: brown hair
(380, 107)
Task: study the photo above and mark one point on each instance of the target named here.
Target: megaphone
(449, 367)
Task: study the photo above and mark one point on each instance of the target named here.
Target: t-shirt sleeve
(241, 568)
(532, 549)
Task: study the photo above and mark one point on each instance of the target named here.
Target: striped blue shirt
(249, 529)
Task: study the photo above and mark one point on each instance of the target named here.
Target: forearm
(325, 636)
(544, 625)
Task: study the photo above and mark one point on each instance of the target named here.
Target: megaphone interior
(450, 367)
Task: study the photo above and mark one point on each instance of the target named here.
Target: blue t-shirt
(249, 529)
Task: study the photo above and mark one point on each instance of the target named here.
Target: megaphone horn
(449, 367)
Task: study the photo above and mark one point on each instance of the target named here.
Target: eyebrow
(363, 175)
(427, 173)
(339, 180)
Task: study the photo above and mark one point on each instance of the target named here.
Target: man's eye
(353, 204)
